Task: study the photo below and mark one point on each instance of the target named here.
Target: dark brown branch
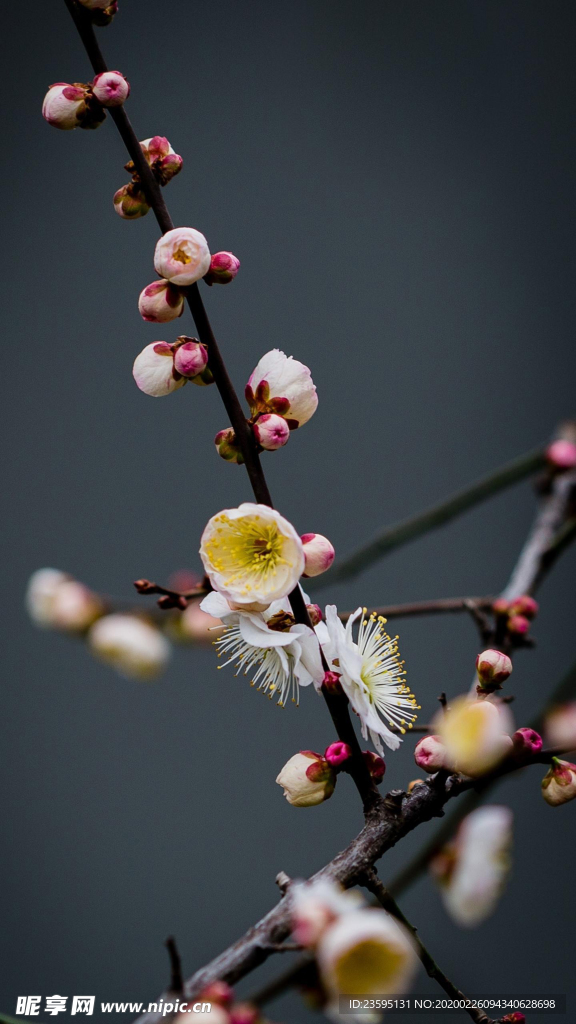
(375, 886)
(176, 978)
(170, 598)
(436, 607)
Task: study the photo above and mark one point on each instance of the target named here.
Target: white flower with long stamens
(278, 653)
(251, 555)
(371, 674)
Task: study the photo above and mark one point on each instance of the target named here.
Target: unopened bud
(244, 1013)
(218, 992)
(560, 726)
(130, 202)
(492, 668)
(164, 162)
(519, 625)
(153, 370)
(111, 88)
(412, 785)
(202, 380)
(318, 554)
(524, 605)
(315, 613)
(102, 16)
(182, 256)
(337, 753)
(501, 606)
(561, 454)
(307, 779)
(64, 105)
(513, 1018)
(271, 432)
(331, 681)
(526, 742)
(223, 268)
(227, 447)
(375, 764)
(135, 648)
(430, 754)
(191, 357)
(559, 784)
(161, 302)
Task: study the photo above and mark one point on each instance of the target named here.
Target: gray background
(397, 180)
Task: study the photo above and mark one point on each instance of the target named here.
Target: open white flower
(280, 657)
(135, 648)
(182, 256)
(251, 555)
(280, 384)
(367, 953)
(316, 906)
(473, 870)
(475, 734)
(371, 674)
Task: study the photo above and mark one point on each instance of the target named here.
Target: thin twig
(436, 607)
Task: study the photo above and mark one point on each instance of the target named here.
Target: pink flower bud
(560, 726)
(514, 1018)
(130, 202)
(500, 606)
(430, 754)
(518, 624)
(64, 105)
(337, 753)
(161, 302)
(191, 358)
(524, 605)
(493, 668)
(244, 1013)
(331, 681)
(307, 779)
(111, 88)
(376, 765)
(154, 370)
(315, 613)
(526, 742)
(559, 784)
(271, 431)
(318, 553)
(562, 454)
(223, 268)
(182, 256)
(218, 992)
(226, 446)
(165, 163)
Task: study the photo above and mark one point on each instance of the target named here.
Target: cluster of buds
(513, 618)
(492, 668)
(162, 368)
(130, 200)
(101, 11)
(357, 948)
(559, 783)
(82, 105)
(309, 778)
(282, 397)
(223, 1007)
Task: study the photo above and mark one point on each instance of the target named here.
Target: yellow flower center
(181, 255)
(368, 967)
(246, 550)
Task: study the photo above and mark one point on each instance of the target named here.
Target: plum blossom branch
(438, 606)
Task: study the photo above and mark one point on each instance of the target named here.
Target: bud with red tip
(190, 356)
(501, 606)
(318, 553)
(111, 88)
(519, 625)
(337, 753)
(561, 454)
(315, 613)
(161, 302)
(164, 162)
(244, 1013)
(513, 1018)
(430, 754)
(130, 202)
(332, 682)
(492, 668)
(307, 779)
(527, 742)
(69, 106)
(218, 992)
(559, 784)
(227, 447)
(375, 764)
(524, 605)
(271, 432)
(223, 268)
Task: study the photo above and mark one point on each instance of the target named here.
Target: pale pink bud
(63, 105)
(165, 163)
(75, 607)
(226, 446)
(130, 202)
(524, 605)
(307, 779)
(191, 357)
(223, 268)
(519, 624)
(271, 431)
(133, 647)
(318, 553)
(493, 668)
(244, 1013)
(562, 454)
(182, 256)
(337, 753)
(560, 726)
(559, 784)
(161, 302)
(197, 625)
(283, 385)
(153, 370)
(376, 765)
(111, 88)
(218, 992)
(430, 754)
(315, 613)
(41, 591)
(526, 742)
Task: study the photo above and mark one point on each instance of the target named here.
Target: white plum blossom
(55, 600)
(160, 302)
(111, 88)
(307, 779)
(278, 653)
(280, 384)
(153, 370)
(134, 647)
(475, 733)
(182, 256)
(40, 593)
(252, 555)
(318, 554)
(371, 674)
(317, 905)
(473, 869)
(63, 105)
